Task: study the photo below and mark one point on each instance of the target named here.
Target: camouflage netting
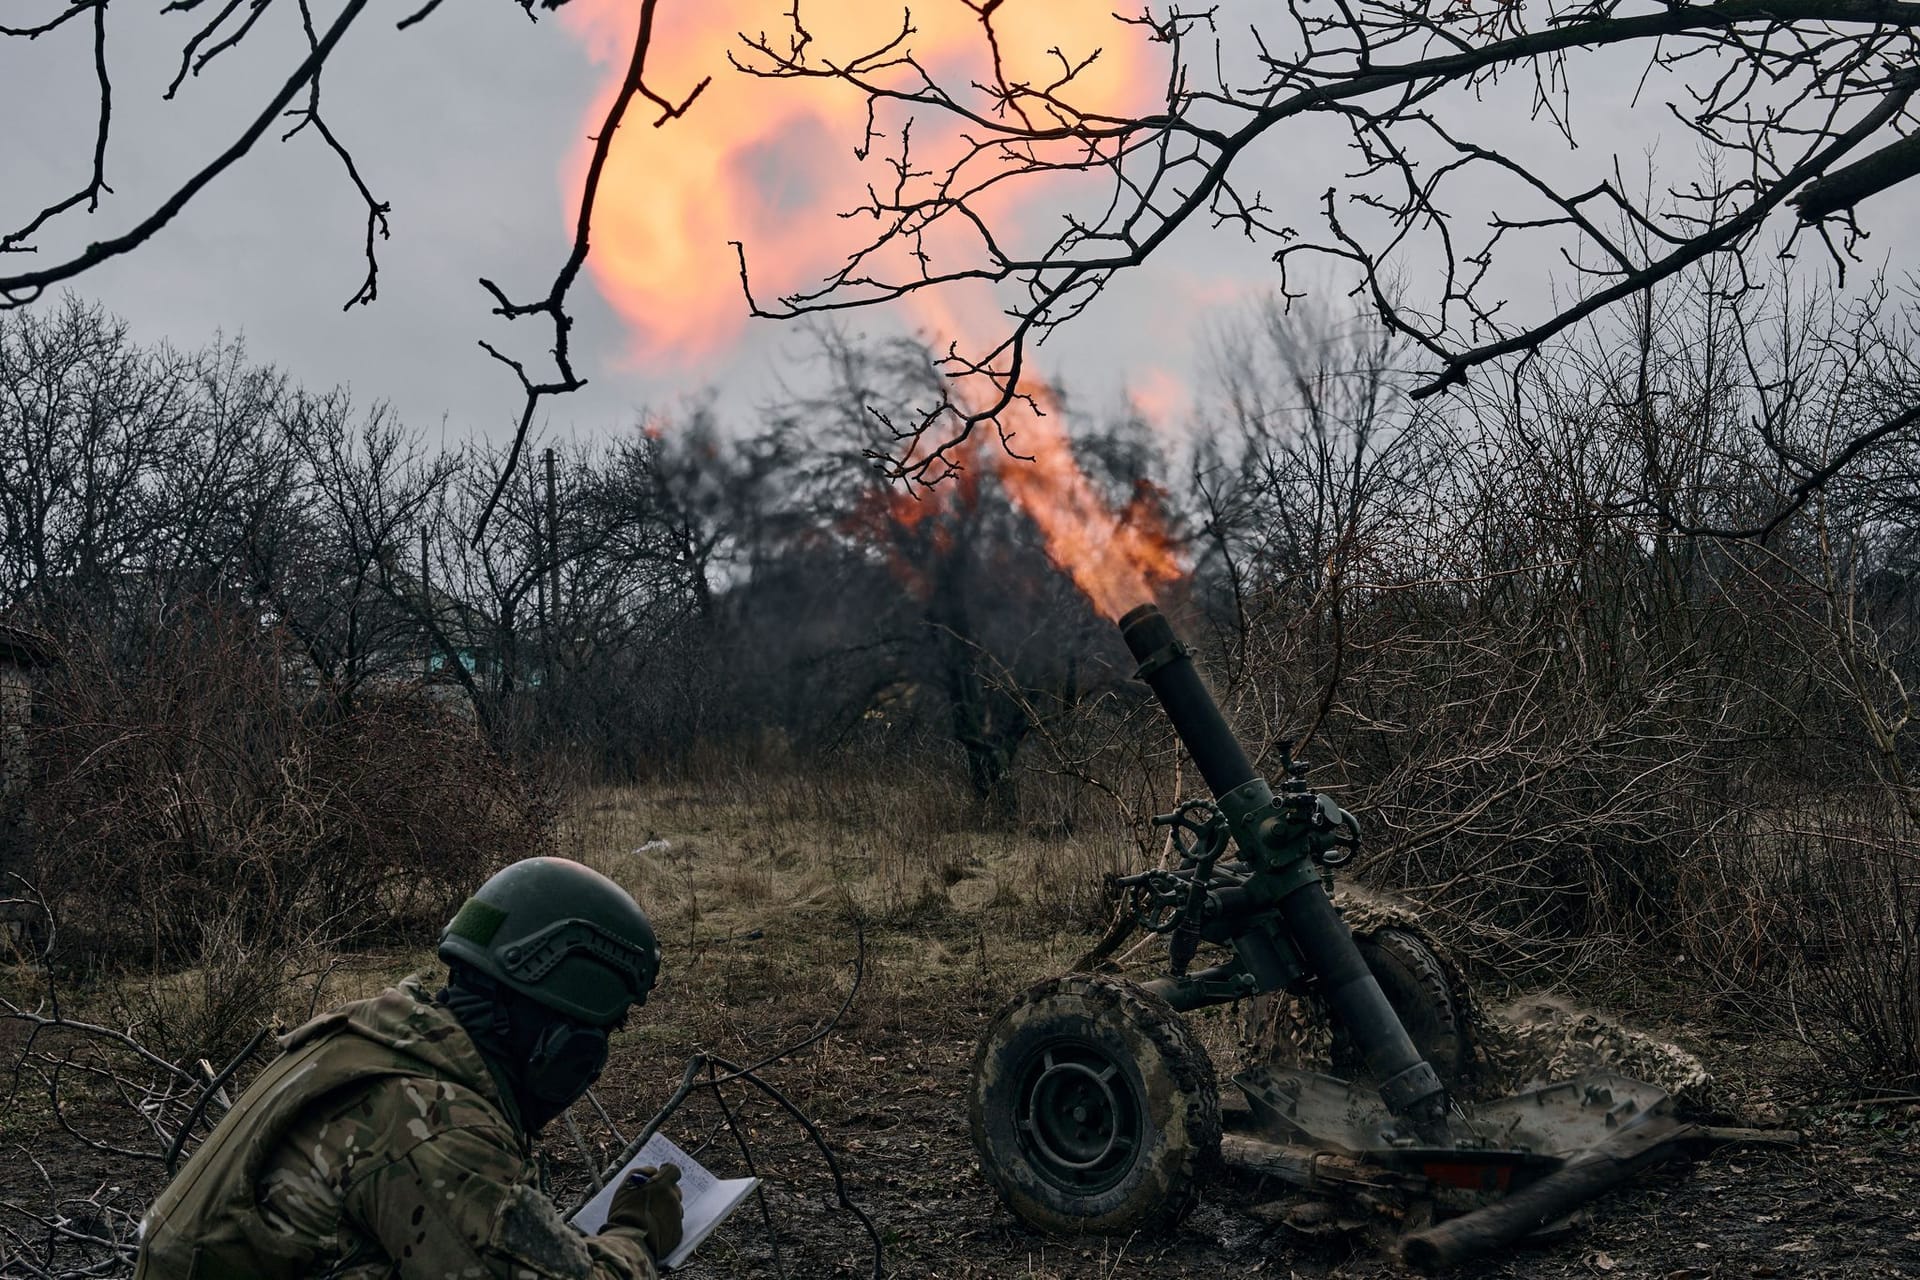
(1522, 1045)
(1538, 1040)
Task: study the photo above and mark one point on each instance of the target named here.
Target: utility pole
(426, 608)
(553, 546)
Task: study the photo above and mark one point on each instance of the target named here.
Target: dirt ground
(951, 937)
(889, 1090)
(756, 897)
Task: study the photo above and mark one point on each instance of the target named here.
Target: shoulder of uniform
(395, 1115)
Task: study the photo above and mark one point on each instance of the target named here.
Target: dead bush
(232, 988)
(1809, 922)
(214, 780)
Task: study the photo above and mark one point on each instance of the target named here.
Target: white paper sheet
(705, 1200)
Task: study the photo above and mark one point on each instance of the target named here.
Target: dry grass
(755, 881)
(742, 853)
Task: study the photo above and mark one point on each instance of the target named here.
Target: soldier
(392, 1138)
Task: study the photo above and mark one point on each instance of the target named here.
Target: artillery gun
(1095, 1109)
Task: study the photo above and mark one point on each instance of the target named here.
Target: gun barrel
(1319, 935)
(1176, 682)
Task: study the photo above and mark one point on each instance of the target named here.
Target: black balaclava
(546, 1059)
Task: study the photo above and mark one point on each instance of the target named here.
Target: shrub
(214, 779)
(1809, 920)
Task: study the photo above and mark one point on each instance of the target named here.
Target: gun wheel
(1416, 985)
(1093, 1108)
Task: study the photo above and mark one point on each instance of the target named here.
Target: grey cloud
(463, 124)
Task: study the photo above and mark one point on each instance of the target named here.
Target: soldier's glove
(651, 1206)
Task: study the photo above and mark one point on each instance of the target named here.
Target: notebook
(705, 1201)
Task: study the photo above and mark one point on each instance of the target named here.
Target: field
(760, 886)
(759, 889)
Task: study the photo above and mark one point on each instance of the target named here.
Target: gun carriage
(1094, 1108)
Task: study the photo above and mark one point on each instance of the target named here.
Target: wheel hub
(1077, 1117)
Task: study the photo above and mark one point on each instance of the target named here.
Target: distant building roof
(24, 648)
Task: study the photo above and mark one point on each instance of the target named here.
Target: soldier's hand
(651, 1206)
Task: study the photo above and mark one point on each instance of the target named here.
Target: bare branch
(553, 305)
(23, 287)
(1788, 91)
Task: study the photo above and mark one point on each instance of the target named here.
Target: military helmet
(561, 934)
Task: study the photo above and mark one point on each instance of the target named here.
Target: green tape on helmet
(477, 922)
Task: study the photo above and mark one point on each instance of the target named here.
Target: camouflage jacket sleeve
(459, 1205)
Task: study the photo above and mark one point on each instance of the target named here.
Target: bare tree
(1802, 111)
(1783, 101)
(338, 570)
(228, 28)
(298, 99)
(129, 474)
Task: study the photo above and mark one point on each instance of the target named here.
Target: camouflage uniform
(379, 1144)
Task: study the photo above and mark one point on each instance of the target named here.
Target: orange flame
(913, 530)
(1117, 558)
(769, 163)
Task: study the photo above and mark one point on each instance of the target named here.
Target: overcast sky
(467, 125)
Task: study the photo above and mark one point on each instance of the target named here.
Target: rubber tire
(1171, 1079)
(1416, 986)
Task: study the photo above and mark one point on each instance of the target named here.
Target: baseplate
(1487, 1145)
